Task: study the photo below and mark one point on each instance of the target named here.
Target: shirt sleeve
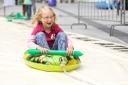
(31, 42)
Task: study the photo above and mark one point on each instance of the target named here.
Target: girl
(47, 34)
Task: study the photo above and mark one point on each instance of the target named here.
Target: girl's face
(48, 18)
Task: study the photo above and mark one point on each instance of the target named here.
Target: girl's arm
(70, 47)
(70, 44)
(31, 43)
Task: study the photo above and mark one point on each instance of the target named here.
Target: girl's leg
(61, 42)
(41, 40)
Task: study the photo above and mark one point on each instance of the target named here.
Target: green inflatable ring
(18, 16)
(72, 64)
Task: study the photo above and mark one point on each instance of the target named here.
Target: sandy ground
(99, 65)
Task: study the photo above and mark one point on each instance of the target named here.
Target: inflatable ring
(18, 16)
(32, 57)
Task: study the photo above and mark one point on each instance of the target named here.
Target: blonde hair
(38, 16)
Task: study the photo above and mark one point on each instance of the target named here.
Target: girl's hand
(44, 50)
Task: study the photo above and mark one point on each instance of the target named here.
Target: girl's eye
(46, 18)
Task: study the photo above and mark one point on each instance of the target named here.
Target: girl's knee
(40, 34)
(61, 34)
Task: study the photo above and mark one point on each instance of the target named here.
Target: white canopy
(9, 2)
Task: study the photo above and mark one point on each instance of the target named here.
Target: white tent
(9, 2)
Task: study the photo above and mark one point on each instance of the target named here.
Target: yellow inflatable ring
(69, 66)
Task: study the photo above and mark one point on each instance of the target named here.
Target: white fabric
(9, 2)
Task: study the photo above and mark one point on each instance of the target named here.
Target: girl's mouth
(49, 23)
